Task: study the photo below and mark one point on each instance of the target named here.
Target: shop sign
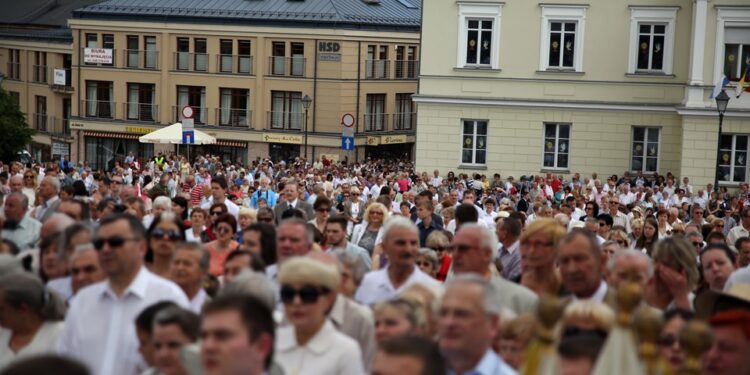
(372, 141)
(329, 51)
(59, 78)
(137, 130)
(282, 138)
(60, 148)
(76, 125)
(392, 139)
(97, 55)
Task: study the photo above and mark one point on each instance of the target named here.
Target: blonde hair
(309, 271)
(521, 328)
(544, 226)
(249, 212)
(678, 254)
(376, 206)
(410, 307)
(639, 222)
(618, 233)
(592, 312)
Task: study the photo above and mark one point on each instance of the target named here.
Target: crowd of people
(169, 266)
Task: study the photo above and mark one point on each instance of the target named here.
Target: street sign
(188, 124)
(348, 122)
(187, 112)
(188, 137)
(347, 143)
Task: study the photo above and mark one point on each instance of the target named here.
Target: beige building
(245, 67)
(519, 87)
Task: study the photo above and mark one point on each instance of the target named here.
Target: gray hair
(22, 288)
(630, 253)
(697, 235)
(254, 284)
(54, 181)
(398, 222)
(490, 294)
(309, 235)
(205, 258)
(163, 201)
(487, 238)
(430, 255)
(24, 199)
(354, 263)
(80, 249)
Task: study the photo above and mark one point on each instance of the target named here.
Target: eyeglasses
(698, 244)
(536, 243)
(307, 294)
(719, 226)
(216, 213)
(115, 182)
(28, 176)
(621, 242)
(265, 219)
(438, 248)
(113, 242)
(223, 229)
(172, 235)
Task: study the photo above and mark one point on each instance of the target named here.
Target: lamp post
(306, 101)
(721, 106)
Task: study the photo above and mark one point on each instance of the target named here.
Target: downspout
(359, 83)
(315, 95)
(78, 93)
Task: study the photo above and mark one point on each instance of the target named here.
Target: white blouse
(44, 342)
(329, 352)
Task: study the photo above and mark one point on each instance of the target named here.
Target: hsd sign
(333, 47)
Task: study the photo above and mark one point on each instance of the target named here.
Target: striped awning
(228, 143)
(111, 135)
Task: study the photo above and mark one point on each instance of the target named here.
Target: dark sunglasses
(323, 209)
(172, 235)
(307, 294)
(216, 213)
(113, 242)
(113, 182)
(29, 176)
(265, 219)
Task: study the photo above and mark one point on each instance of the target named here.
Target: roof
(40, 12)
(390, 14)
(58, 35)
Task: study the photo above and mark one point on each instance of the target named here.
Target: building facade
(522, 88)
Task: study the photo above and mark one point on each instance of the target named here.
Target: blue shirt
(491, 364)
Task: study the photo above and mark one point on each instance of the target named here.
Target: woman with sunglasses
(225, 228)
(310, 344)
(669, 342)
(30, 186)
(370, 232)
(439, 241)
(216, 210)
(163, 234)
(322, 208)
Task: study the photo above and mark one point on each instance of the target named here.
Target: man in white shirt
(742, 230)
(99, 329)
(436, 180)
(48, 190)
(582, 265)
(219, 195)
(618, 217)
(20, 228)
(400, 244)
(188, 269)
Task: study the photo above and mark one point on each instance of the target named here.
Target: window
(244, 59)
(14, 64)
(736, 52)
(132, 51)
(40, 67)
(286, 110)
(375, 112)
(479, 35)
(151, 58)
(226, 50)
(733, 158)
(562, 38)
(15, 98)
(108, 42)
(651, 39)
(645, 157)
(556, 145)
(298, 59)
(201, 57)
(40, 114)
(141, 104)
(278, 58)
(405, 115)
(194, 96)
(474, 142)
(99, 98)
(377, 62)
(92, 41)
(233, 109)
(183, 54)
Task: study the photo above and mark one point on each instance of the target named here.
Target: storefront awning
(110, 135)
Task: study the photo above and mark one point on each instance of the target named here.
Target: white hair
(630, 253)
(163, 201)
(254, 284)
(492, 303)
(397, 222)
(487, 238)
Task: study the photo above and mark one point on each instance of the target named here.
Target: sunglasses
(172, 235)
(113, 242)
(265, 219)
(113, 182)
(323, 209)
(216, 213)
(29, 176)
(536, 244)
(307, 294)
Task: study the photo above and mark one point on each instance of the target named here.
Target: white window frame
(474, 143)
(473, 11)
(647, 129)
(728, 16)
(732, 166)
(652, 15)
(556, 145)
(562, 13)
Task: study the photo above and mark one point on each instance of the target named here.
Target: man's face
(335, 234)
(226, 347)
(463, 326)
(423, 212)
(16, 184)
(72, 209)
(744, 256)
(580, 269)
(291, 241)
(126, 254)
(14, 209)
(85, 270)
(217, 191)
(629, 269)
(290, 192)
(46, 189)
(116, 185)
(167, 341)
(698, 214)
(234, 266)
(603, 228)
(185, 269)
(401, 247)
(467, 254)
(728, 353)
(387, 364)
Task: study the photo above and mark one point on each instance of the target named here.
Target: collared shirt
(42, 209)
(621, 219)
(376, 286)
(357, 322)
(329, 352)
(490, 364)
(99, 329)
(425, 231)
(200, 299)
(599, 295)
(26, 234)
(735, 233)
(510, 257)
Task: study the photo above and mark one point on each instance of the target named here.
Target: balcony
(377, 69)
(50, 125)
(61, 81)
(376, 122)
(199, 114)
(282, 120)
(235, 64)
(39, 74)
(145, 112)
(140, 59)
(97, 109)
(234, 117)
(14, 71)
(406, 69)
(40, 122)
(404, 121)
(286, 66)
(190, 62)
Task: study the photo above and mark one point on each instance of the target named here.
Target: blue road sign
(188, 137)
(347, 143)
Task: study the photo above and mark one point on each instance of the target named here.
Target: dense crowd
(165, 266)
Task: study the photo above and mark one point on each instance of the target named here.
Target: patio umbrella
(173, 134)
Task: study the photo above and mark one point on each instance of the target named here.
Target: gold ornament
(550, 146)
(467, 141)
(730, 57)
(472, 43)
(555, 44)
(644, 45)
(725, 158)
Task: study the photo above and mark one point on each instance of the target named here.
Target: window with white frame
(736, 52)
(733, 157)
(474, 142)
(652, 31)
(645, 155)
(562, 38)
(556, 145)
(479, 35)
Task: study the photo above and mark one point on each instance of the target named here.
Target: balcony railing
(199, 114)
(235, 117)
(146, 112)
(404, 120)
(63, 87)
(286, 66)
(50, 125)
(14, 71)
(40, 73)
(190, 61)
(141, 59)
(375, 122)
(40, 122)
(98, 109)
(235, 64)
(377, 69)
(286, 120)
(406, 69)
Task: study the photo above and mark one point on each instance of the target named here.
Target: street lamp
(721, 106)
(306, 101)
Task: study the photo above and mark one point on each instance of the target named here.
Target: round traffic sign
(187, 111)
(348, 120)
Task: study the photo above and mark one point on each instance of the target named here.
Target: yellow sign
(393, 139)
(137, 130)
(373, 141)
(331, 157)
(282, 138)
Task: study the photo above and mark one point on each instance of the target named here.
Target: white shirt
(735, 233)
(231, 207)
(44, 342)
(63, 286)
(329, 352)
(99, 329)
(598, 296)
(200, 299)
(376, 286)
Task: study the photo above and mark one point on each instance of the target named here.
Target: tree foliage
(15, 133)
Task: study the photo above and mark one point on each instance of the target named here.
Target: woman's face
(178, 210)
(348, 284)
(162, 238)
(246, 221)
(716, 268)
(511, 351)
(662, 218)
(167, 342)
(310, 314)
(251, 241)
(376, 216)
(224, 231)
(425, 265)
(10, 317)
(669, 343)
(322, 213)
(405, 211)
(389, 323)
(52, 265)
(537, 251)
(649, 230)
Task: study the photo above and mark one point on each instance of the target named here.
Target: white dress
(329, 352)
